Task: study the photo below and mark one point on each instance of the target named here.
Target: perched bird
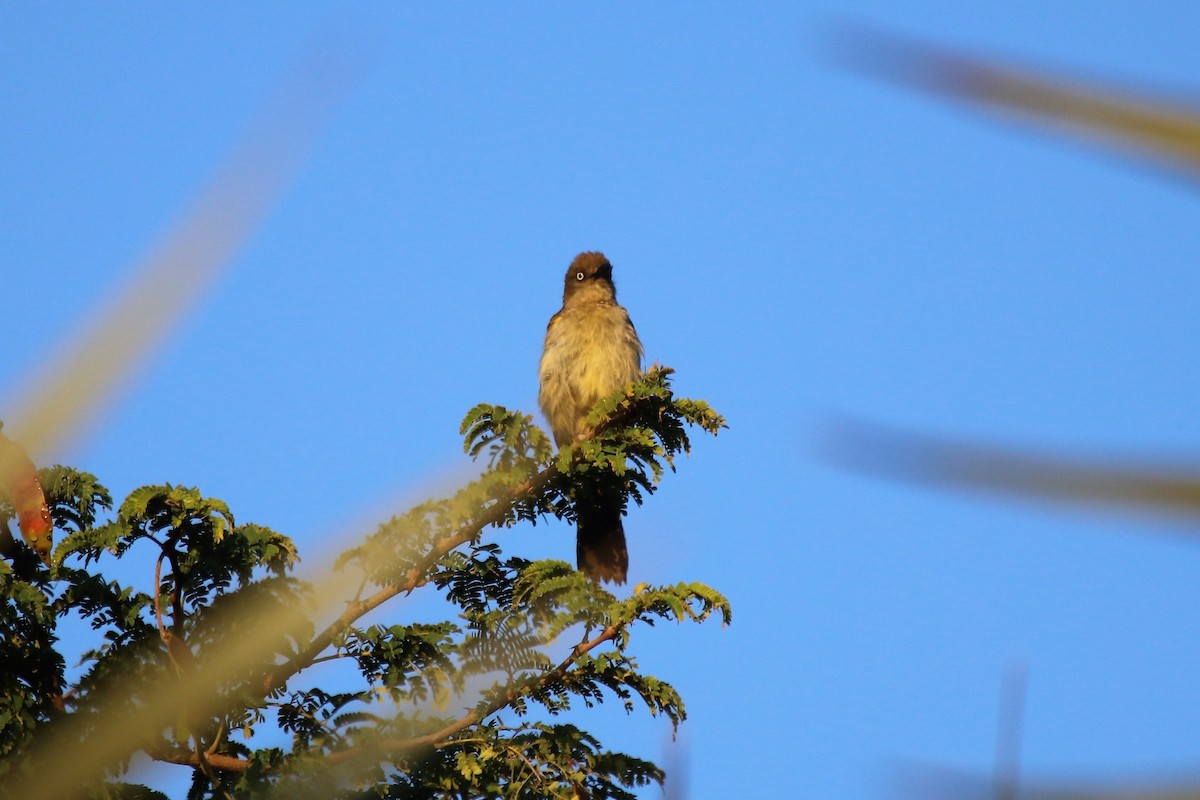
(591, 351)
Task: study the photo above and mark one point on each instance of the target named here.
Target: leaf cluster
(466, 706)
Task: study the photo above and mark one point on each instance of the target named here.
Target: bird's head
(589, 278)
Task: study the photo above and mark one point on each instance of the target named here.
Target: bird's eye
(578, 276)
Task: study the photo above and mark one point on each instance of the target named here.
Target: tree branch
(416, 576)
(436, 739)
(192, 759)
(476, 716)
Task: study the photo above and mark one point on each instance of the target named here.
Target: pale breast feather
(590, 352)
(607, 357)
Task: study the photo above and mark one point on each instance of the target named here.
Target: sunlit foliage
(333, 705)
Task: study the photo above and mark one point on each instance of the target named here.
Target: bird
(591, 350)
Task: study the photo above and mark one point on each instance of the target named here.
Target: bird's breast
(590, 352)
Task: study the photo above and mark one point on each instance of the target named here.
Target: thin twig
(162, 628)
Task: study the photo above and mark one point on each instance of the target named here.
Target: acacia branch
(192, 759)
(414, 577)
(438, 738)
(435, 739)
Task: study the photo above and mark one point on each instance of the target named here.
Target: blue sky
(798, 241)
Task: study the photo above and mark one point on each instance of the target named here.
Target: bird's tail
(600, 542)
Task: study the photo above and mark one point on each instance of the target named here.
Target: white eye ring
(578, 276)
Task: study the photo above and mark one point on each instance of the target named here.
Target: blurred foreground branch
(1142, 121)
(1127, 485)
